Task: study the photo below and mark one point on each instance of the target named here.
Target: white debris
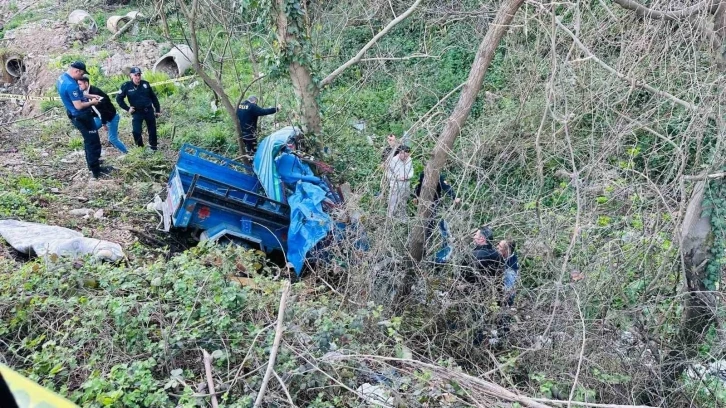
(81, 212)
(376, 395)
(43, 240)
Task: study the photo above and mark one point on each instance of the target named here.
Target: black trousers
(140, 116)
(251, 146)
(91, 142)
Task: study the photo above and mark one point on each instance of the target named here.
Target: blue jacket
(68, 91)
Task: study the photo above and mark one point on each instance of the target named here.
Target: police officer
(144, 106)
(247, 113)
(81, 115)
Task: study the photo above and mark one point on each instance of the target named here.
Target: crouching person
(506, 249)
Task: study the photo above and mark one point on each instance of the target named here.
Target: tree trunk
(212, 83)
(696, 240)
(305, 87)
(454, 124)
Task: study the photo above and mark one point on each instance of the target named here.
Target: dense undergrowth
(582, 169)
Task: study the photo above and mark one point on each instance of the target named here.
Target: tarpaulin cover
(292, 170)
(40, 239)
(264, 161)
(308, 222)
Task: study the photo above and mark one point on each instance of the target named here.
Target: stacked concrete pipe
(176, 61)
(82, 17)
(114, 23)
(135, 15)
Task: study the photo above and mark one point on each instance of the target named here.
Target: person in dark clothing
(489, 263)
(247, 113)
(143, 106)
(79, 111)
(487, 259)
(442, 187)
(106, 115)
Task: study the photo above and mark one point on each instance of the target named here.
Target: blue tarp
(264, 161)
(308, 222)
(292, 170)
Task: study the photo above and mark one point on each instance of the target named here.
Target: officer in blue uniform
(81, 115)
(143, 106)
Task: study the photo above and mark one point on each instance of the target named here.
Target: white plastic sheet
(39, 239)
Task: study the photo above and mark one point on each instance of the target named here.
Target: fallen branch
(699, 177)
(210, 380)
(589, 404)
(328, 79)
(123, 29)
(284, 388)
(643, 11)
(485, 386)
(412, 56)
(26, 119)
(275, 344)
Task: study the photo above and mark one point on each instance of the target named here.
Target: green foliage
(75, 143)
(162, 311)
(20, 19)
(17, 205)
(707, 392)
(143, 165)
(45, 106)
(714, 205)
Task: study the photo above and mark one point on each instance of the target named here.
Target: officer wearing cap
(78, 109)
(247, 113)
(143, 106)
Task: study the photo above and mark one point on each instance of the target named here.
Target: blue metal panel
(221, 197)
(246, 224)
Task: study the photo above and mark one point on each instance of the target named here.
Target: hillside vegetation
(595, 130)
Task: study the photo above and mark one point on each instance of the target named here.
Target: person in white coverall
(399, 171)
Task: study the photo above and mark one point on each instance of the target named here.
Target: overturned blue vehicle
(279, 203)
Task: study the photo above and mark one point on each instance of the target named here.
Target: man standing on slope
(81, 115)
(107, 116)
(399, 171)
(247, 113)
(144, 106)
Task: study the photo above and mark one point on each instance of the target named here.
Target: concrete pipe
(175, 62)
(14, 66)
(82, 17)
(135, 14)
(114, 23)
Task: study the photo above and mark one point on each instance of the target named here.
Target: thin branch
(624, 77)
(210, 380)
(328, 79)
(275, 344)
(699, 177)
(589, 404)
(400, 58)
(284, 388)
(445, 97)
(123, 29)
(582, 351)
(643, 11)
